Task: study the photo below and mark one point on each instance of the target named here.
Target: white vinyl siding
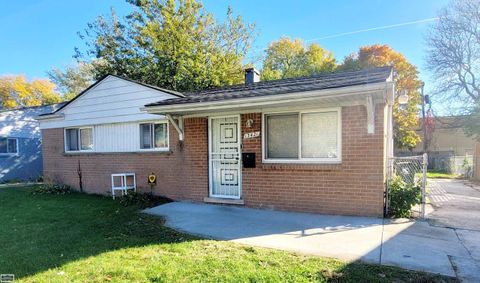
(302, 137)
(118, 137)
(122, 137)
(111, 101)
(112, 109)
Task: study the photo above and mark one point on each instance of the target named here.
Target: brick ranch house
(314, 144)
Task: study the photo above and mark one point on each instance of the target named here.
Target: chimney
(252, 76)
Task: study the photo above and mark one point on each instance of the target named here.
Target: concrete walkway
(454, 204)
(412, 245)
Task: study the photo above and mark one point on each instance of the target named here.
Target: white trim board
(111, 100)
(118, 138)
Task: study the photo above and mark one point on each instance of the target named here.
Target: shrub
(403, 196)
(52, 189)
(142, 200)
(467, 169)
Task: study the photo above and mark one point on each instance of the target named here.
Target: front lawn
(86, 238)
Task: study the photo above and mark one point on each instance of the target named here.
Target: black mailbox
(248, 159)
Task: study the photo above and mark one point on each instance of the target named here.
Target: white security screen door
(225, 170)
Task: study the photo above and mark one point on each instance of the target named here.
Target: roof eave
(50, 116)
(264, 101)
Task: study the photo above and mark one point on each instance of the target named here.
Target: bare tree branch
(454, 52)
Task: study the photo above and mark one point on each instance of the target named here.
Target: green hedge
(52, 189)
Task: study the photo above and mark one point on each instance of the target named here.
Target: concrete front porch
(408, 244)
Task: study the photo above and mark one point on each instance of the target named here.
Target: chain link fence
(452, 164)
(413, 171)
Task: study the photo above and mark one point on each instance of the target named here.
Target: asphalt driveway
(408, 244)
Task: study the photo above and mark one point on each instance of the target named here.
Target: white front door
(224, 157)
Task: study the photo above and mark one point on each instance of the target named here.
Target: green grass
(86, 238)
(434, 174)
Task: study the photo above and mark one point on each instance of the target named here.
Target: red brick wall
(181, 173)
(354, 187)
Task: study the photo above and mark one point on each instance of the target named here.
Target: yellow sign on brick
(152, 179)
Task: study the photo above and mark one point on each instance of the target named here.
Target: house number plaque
(251, 135)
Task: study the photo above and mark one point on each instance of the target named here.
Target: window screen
(71, 136)
(319, 135)
(303, 136)
(153, 135)
(282, 136)
(3, 145)
(161, 140)
(145, 136)
(86, 139)
(12, 146)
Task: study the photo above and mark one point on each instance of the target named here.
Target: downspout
(390, 99)
(80, 181)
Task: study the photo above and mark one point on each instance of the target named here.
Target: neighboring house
(448, 136)
(20, 143)
(315, 144)
(448, 146)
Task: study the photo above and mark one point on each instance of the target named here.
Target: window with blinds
(312, 136)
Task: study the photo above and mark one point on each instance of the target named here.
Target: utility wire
(373, 29)
(355, 32)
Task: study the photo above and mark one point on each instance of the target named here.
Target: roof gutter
(50, 116)
(270, 100)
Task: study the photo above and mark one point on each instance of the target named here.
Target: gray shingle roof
(283, 86)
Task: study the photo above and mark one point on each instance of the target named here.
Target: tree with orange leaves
(406, 79)
(16, 91)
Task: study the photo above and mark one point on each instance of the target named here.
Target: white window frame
(336, 160)
(16, 146)
(153, 141)
(79, 139)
